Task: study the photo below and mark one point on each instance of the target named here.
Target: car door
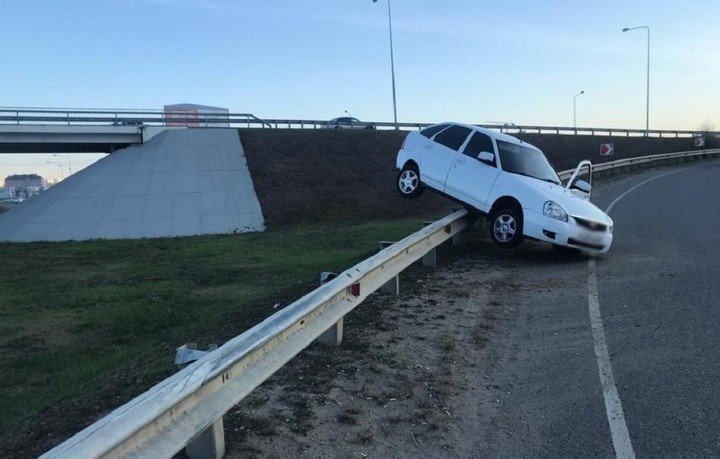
(471, 179)
(439, 155)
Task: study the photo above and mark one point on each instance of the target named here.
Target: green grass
(82, 319)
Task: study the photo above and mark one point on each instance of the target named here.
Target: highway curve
(660, 297)
(493, 354)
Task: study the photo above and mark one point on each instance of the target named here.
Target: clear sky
(473, 61)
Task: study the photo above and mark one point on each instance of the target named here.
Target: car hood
(574, 205)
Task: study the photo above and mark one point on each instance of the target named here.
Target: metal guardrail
(170, 415)
(84, 116)
(185, 406)
(564, 175)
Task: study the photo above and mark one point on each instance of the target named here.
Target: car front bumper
(567, 234)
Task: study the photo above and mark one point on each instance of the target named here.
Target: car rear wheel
(408, 182)
(506, 228)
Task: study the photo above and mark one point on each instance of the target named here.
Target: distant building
(23, 186)
(192, 115)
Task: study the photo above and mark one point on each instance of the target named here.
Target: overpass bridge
(70, 139)
(54, 130)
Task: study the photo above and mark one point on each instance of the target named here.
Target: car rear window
(432, 130)
(453, 137)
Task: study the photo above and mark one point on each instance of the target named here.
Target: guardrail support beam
(458, 238)
(393, 285)
(429, 260)
(332, 337)
(210, 444)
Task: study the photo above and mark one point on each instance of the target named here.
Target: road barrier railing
(187, 408)
(628, 162)
(89, 116)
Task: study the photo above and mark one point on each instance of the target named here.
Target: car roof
(492, 133)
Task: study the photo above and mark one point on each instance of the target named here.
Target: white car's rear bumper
(568, 234)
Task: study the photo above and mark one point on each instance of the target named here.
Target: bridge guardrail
(29, 115)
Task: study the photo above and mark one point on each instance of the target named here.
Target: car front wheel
(506, 228)
(408, 182)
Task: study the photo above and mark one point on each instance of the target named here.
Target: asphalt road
(659, 294)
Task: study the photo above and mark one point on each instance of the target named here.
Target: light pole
(575, 109)
(647, 102)
(69, 160)
(392, 64)
(62, 172)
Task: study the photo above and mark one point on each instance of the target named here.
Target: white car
(508, 180)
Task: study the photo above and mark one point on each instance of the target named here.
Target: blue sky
(474, 61)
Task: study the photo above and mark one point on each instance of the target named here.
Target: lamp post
(575, 109)
(69, 160)
(647, 102)
(58, 163)
(392, 64)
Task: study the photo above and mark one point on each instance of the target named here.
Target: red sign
(607, 149)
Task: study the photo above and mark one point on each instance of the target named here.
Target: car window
(479, 142)
(432, 130)
(453, 137)
(522, 160)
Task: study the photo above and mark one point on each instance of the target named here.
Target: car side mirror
(486, 157)
(582, 185)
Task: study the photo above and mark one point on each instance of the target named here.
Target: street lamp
(575, 109)
(647, 103)
(392, 64)
(62, 172)
(69, 160)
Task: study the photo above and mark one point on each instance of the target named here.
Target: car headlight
(553, 210)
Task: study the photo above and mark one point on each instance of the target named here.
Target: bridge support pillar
(210, 444)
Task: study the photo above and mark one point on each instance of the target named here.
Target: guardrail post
(429, 260)
(393, 285)
(458, 238)
(210, 444)
(332, 337)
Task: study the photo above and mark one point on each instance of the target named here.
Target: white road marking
(613, 406)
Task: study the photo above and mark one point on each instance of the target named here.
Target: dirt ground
(414, 374)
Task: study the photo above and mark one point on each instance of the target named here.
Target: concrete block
(210, 444)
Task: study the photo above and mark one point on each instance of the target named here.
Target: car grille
(591, 225)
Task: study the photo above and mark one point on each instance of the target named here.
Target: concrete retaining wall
(180, 183)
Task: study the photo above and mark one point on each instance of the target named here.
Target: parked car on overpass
(347, 122)
(129, 122)
(507, 179)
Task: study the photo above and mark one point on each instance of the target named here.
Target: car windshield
(522, 160)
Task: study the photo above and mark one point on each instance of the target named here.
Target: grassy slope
(81, 322)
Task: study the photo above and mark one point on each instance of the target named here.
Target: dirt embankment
(305, 176)
(327, 175)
